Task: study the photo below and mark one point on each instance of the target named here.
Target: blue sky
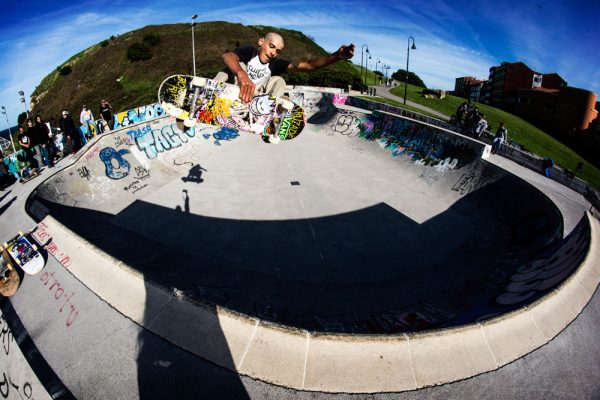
(453, 38)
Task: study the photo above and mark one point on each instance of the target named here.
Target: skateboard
(24, 254)
(34, 173)
(196, 99)
(9, 277)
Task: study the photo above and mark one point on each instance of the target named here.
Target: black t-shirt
(258, 72)
(105, 111)
(24, 137)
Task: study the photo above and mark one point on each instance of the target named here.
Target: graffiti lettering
(58, 293)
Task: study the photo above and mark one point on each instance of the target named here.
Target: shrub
(64, 71)
(151, 39)
(104, 43)
(138, 51)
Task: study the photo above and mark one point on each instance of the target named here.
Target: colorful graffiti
(135, 116)
(421, 143)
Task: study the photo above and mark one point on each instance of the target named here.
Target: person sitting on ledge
(256, 71)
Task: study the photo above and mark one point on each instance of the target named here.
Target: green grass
(398, 104)
(519, 131)
(370, 76)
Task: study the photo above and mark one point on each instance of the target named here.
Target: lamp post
(193, 45)
(9, 132)
(408, 48)
(376, 69)
(361, 62)
(22, 94)
(386, 68)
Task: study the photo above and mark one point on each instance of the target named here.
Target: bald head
(270, 47)
(274, 36)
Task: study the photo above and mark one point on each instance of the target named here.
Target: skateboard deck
(9, 277)
(34, 174)
(24, 254)
(195, 99)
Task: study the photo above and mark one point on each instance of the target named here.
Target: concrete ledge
(359, 364)
(328, 363)
(449, 355)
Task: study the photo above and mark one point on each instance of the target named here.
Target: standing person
(257, 70)
(106, 114)
(26, 144)
(45, 141)
(500, 137)
(70, 132)
(84, 118)
(35, 143)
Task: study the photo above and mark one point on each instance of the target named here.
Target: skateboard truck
(197, 83)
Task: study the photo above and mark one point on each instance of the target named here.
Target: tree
(413, 79)
(21, 118)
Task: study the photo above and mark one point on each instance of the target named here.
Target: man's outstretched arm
(343, 53)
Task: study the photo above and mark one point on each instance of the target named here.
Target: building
(506, 78)
(543, 99)
(468, 87)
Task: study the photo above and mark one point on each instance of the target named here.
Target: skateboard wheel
(274, 139)
(286, 104)
(34, 247)
(20, 233)
(189, 123)
(199, 82)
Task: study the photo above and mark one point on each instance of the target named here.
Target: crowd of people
(471, 121)
(42, 146)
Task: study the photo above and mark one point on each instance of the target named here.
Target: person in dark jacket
(70, 132)
(106, 115)
(44, 139)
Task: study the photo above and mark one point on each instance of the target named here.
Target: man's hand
(345, 52)
(246, 87)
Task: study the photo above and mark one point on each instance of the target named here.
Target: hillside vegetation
(104, 70)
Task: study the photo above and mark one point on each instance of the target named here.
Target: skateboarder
(257, 71)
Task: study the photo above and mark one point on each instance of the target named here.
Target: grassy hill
(104, 71)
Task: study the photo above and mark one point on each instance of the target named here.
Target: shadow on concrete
(369, 271)
(7, 205)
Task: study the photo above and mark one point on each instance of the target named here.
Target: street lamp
(9, 132)
(193, 45)
(408, 48)
(22, 94)
(376, 69)
(384, 70)
(361, 62)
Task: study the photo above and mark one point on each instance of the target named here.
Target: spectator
(479, 126)
(84, 118)
(35, 144)
(500, 137)
(547, 163)
(26, 144)
(460, 113)
(106, 114)
(70, 132)
(11, 164)
(44, 138)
